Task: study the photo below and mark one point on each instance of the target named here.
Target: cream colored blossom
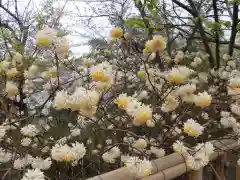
(61, 100)
(34, 174)
(29, 130)
(32, 72)
(111, 155)
(12, 73)
(234, 83)
(141, 115)
(11, 89)
(228, 122)
(43, 164)
(140, 144)
(170, 104)
(198, 60)
(203, 77)
(157, 44)
(203, 99)
(179, 75)
(50, 73)
(84, 100)
(17, 60)
(123, 101)
(45, 37)
(3, 131)
(157, 152)
(179, 147)
(101, 72)
(235, 108)
(62, 47)
(192, 128)
(179, 57)
(197, 161)
(140, 168)
(4, 66)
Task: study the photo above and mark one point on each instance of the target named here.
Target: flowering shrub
(115, 108)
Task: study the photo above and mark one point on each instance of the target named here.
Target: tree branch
(202, 32)
(216, 29)
(13, 15)
(143, 14)
(234, 28)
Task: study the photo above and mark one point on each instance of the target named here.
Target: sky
(70, 21)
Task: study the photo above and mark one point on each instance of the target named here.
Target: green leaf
(150, 6)
(238, 27)
(61, 33)
(138, 1)
(135, 23)
(18, 46)
(227, 24)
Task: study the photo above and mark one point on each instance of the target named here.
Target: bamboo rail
(171, 166)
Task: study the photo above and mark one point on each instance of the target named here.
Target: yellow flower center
(177, 79)
(141, 74)
(158, 44)
(143, 117)
(45, 42)
(127, 36)
(191, 131)
(99, 76)
(122, 102)
(67, 157)
(234, 86)
(116, 33)
(147, 172)
(203, 103)
(12, 73)
(148, 47)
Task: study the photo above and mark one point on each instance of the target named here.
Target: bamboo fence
(173, 165)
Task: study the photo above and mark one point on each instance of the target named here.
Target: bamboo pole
(168, 167)
(176, 171)
(196, 175)
(220, 167)
(237, 172)
(169, 173)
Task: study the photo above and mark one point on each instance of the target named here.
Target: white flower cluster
(235, 108)
(186, 92)
(179, 75)
(158, 152)
(21, 163)
(39, 163)
(196, 157)
(68, 154)
(34, 174)
(11, 89)
(102, 75)
(29, 130)
(140, 168)
(192, 128)
(111, 155)
(5, 156)
(142, 114)
(140, 144)
(26, 142)
(81, 100)
(196, 62)
(2, 132)
(228, 121)
(170, 104)
(200, 157)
